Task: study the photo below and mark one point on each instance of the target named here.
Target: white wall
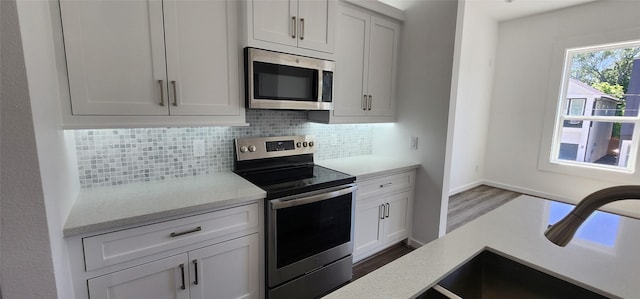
(527, 58)
(471, 98)
(40, 27)
(27, 267)
(424, 82)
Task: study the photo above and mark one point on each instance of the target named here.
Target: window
(597, 112)
(574, 107)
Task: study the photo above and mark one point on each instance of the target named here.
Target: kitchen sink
(490, 275)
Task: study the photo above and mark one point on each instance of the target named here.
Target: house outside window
(597, 112)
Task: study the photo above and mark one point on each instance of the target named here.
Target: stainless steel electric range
(309, 213)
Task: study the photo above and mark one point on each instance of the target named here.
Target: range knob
(252, 148)
(244, 149)
(310, 143)
(299, 144)
(304, 144)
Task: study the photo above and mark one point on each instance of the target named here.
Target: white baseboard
(465, 187)
(528, 191)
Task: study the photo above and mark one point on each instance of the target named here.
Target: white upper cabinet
(366, 62)
(295, 24)
(275, 21)
(116, 65)
(130, 60)
(317, 24)
(381, 77)
(202, 57)
(353, 50)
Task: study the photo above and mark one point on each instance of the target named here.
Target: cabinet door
(115, 57)
(202, 57)
(352, 56)
(273, 21)
(226, 270)
(316, 25)
(382, 66)
(396, 225)
(161, 279)
(368, 228)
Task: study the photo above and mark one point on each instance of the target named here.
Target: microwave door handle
(279, 204)
(320, 83)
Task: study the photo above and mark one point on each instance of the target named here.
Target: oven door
(284, 81)
(308, 231)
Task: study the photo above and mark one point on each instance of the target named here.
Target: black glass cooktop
(285, 181)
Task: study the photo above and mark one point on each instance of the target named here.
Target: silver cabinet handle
(175, 93)
(364, 102)
(197, 229)
(183, 286)
(161, 92)
(195, 266)
(381, 209)
(388, 208)
(370, 101)
(293, 27)
(301, 28)
(386, 185)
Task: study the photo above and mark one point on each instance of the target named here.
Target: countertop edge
(361, 166)
(145, 219)
(385, 172)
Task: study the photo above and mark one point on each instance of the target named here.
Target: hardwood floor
(463, 207)
(388, 255)
(471, 204)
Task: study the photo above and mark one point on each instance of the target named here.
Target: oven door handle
(277, 204)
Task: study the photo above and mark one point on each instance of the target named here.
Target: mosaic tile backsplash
(121, 156)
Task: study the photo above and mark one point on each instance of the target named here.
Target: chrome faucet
(562, 232)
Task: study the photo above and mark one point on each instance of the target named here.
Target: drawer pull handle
(183, 286)
(386, 185)
(197, 229)
(195, 266)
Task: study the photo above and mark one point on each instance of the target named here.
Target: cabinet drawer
(121, 246)
(385, 184)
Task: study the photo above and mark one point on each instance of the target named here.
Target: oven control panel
(270, 147)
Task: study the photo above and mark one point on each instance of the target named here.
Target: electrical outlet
(198, 148)
(414, 142)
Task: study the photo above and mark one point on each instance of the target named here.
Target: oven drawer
(385, 184)
(125, 245)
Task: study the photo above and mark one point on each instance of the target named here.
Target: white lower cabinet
(160, 279)
(382, 213)
(211, 255)
(225, 270)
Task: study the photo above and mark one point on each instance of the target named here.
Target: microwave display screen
(282, 82)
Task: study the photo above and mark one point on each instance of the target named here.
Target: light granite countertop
(603, 257)
(368, 166)
(124, 205)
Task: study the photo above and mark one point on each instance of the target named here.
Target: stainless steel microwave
(276, 80)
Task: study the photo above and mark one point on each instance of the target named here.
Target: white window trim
(553, 111)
